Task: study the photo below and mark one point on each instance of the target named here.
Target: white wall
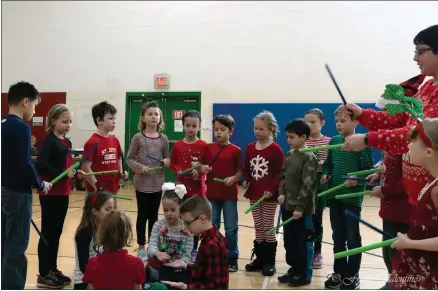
(231, 51)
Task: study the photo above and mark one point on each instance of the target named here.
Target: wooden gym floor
(373, 271)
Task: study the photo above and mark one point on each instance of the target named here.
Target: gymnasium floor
(373, 272)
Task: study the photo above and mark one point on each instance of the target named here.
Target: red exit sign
(177, 114)
(161, 81)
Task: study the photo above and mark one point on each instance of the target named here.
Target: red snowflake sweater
(262, 169)
(389, 133)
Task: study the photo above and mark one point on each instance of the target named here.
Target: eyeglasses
(419, 52)
(187, 223)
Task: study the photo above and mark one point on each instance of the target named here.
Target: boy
(345, 228)
(210, 270)
(223, 160)
(18, 176)
(297, 194)
(108, 155)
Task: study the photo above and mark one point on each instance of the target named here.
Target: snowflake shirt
(262, 170)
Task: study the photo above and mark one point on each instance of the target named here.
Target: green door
(172, 104)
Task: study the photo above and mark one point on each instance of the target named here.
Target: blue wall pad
(243, 114)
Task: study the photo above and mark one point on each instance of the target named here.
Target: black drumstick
(336, 84)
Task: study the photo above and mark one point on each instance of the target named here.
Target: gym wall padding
(244, 113)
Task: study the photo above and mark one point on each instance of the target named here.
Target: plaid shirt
(210, 270)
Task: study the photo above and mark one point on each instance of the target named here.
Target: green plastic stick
(122, 197)
(264, 197)
(281, 224)
(155, 168)
(352, 195)
(190, 169)
(219, 180)
(65, 173)
(332, 190)
(365, 172)
(382, 244)
(102, 173)
(321, 148)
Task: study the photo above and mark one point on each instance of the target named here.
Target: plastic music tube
(122, 197)
(352, 195)
(365, 172)
(281, 224)
(102, 173)
(190, 169)
(219, 180)
(155, 169)
(264, 197)
(332, 189)
(370, 247)
(321, 148)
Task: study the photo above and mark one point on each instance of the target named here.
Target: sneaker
(49, 281)
(142, 255)
(352, 283)
(297, 281)
(63, 278)
(285, 279)
(334, 281)
(233, 265)
(317, 261)
(194, 254)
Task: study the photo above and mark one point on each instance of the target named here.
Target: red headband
(423, 135)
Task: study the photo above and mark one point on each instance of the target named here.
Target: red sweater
(263, 170)
(389, 133)
(227, 163)
(185, 156)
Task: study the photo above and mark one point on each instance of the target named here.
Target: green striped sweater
(339, 163)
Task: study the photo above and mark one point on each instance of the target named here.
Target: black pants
(391, 228)
(298, 243)
(81, 286)
(53, 212)
(148, 205)
(195, 237)
(317, 230)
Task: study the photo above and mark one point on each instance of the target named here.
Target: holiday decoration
(395, 102)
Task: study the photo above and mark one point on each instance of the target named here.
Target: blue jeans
(230, 221)
(16, 216)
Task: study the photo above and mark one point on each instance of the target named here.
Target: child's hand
(163, 257)
(245, 184)
(280, 199)
(297, 214)
(144, 170)
(178, 285)
(47, 187)
(81, 174)
(178, 264)
(373, 178)
(351, 183)
(377, 192)
(71, 174)
(230, 181)
(402, 242)
(166, 162)
(205, 169)
(324, 179)
(195, 174)
(123, 175)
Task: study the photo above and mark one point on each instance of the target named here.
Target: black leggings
(80, 286)
(148, 205)
(392, 228)
(53, 213)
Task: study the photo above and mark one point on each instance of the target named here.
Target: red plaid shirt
(210, 270)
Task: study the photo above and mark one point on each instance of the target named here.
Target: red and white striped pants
(264, 216)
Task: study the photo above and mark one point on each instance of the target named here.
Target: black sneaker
(49, 281)
(334, 281)
(63, 278)
(233, 265)
(285, 279)
(352, 283)
(298, 281)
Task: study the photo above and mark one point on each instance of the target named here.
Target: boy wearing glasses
(210, 270)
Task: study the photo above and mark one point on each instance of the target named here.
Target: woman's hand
(353, 108)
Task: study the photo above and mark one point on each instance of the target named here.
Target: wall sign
(161, 81)
(37, 121)
(177, 114)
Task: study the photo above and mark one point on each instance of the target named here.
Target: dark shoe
(285, 279)
(297, 281)
(352, 283)
(49, 281)
(63, 278)
(334, 281)
(269, 259)
(233, 265)
(257, 264)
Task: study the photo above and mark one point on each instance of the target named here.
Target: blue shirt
(18, 172)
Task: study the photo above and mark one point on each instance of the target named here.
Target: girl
(185, 154)
(97, 206)
(54, 157)
(114, 268)
(147, 148)
(263, 162)
(315, 117)
(420, 267)
(171, 240)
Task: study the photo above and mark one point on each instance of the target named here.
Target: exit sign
(177, 114)
(161, 81)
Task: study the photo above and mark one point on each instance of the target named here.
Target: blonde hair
(142, 125)
(55, 112)
(430, 126)
(115, 231)
(269, 119)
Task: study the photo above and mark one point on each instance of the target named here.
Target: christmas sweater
(390, 133)
(262, 169)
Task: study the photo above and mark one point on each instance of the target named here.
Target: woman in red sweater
(262, 169)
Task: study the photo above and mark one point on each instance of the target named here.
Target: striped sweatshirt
(321, 155)
(339, 163)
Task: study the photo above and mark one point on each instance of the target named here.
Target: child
(97, 206)
(315, 117)
(53, 159)
(345, 229)
(170, 240)
(114, 268)
(297, 194)
(107, 156)
(185, 154)
(223, 160)
(210, 270)
(33, 149)
(147, 148)
(17, 178)
(417, 262)
(404, 242)
(263, 162)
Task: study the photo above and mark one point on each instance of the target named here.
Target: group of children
(193, 207)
